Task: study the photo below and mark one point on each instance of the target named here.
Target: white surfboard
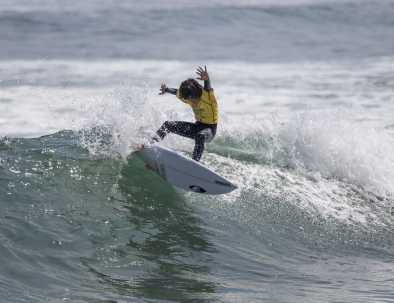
(183, 172)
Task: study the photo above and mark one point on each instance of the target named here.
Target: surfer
(203, 102)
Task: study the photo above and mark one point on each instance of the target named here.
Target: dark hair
(190, 88)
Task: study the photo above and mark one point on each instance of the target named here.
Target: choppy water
(306, 99)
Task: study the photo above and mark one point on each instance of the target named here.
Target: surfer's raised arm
(204, 76)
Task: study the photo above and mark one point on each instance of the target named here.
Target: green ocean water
(80, 227)
(73, 215)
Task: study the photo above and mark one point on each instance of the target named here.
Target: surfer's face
(193, 100)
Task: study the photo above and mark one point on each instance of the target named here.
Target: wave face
(87, 220)
(257, 31)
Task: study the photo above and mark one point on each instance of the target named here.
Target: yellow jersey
(206, 109)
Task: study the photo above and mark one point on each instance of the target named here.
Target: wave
(96, 212)
(304, 170)
(329, 168)
(56, 175)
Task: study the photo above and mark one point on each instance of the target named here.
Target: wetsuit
(205, 111)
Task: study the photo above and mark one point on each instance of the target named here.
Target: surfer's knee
(168, 124)
(167, 127)
(163, 130)
(207, 134)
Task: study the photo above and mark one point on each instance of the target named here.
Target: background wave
(257, 32)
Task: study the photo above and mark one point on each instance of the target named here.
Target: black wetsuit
(200, 132)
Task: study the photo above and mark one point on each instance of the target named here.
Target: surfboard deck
(183, 172)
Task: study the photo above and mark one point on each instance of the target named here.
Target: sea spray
(317, 145)
(121, 117)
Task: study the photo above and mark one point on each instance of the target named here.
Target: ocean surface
(306, 129)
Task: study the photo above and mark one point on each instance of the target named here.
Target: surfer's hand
(163, 89)
(202, 73)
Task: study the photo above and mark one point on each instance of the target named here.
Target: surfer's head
(190, 89)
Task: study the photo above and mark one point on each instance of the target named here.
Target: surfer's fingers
(202, 72)
(163, 89)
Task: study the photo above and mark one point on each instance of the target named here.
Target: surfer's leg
(185, 129)
(206, 135)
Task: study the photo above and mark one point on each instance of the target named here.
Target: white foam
(325, 148)
(40, 97)
(329, 199)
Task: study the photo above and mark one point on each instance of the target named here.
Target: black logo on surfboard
(197, 189)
